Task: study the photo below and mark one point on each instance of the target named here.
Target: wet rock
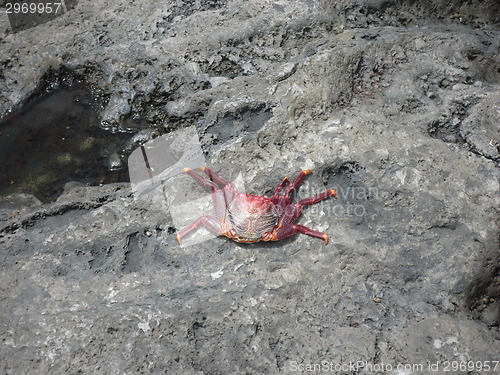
(114, 162)
(379, 98)
(140, 138)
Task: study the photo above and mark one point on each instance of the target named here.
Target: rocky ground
(396, 105)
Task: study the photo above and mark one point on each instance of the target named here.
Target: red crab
(252, 218)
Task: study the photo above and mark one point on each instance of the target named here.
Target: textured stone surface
(394, 105)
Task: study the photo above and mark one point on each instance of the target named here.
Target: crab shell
(251, 218)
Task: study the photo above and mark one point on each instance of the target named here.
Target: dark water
(55, 139)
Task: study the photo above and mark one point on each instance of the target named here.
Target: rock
(379, 98)
(114, 162)
(217, 81)
(480, 129)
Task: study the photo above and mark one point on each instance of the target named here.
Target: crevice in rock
(132, 250)
(447, 126)
(482, 296)
(30, 219)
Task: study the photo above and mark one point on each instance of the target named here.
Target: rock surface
(393, 104)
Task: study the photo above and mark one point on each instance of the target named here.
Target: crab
(252, 218)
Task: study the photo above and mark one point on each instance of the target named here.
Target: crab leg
(317, 198)
(221, 197)
(295, 183)
(290, 229)
(202, 180)
(217, 178)
(208, 221)
(291, 212)
(279, 187)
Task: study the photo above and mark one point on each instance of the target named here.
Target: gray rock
(481, 130)
(378, 98)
